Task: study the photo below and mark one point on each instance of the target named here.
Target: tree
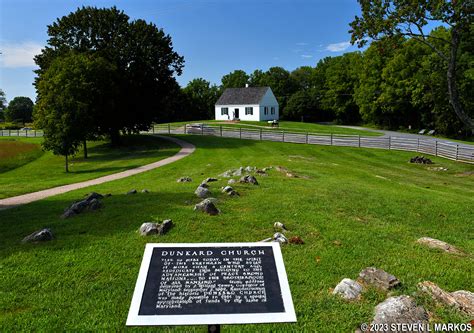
(71, 94)
(235, 79)
(20, 109)
(202, 97)
(304, 77)
(143, 57)
(409, 18)
(281, 83)
(3, 104)
(304, 105)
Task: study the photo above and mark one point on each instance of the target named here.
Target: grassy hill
(353, 208)
(25, 168)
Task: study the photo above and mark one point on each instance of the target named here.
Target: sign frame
(134, 319)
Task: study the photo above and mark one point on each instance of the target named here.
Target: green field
(353, 208)
(35, 169)
(288, 126)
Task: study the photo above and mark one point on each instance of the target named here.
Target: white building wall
(242, 115)
(269, 100)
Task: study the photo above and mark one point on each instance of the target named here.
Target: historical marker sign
(217, 283)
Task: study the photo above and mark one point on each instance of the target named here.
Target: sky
(214, 36)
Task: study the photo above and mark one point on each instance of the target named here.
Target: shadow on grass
(120, 213)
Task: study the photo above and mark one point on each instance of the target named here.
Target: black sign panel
(211, 283)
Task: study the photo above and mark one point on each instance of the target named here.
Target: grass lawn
(293, 126)
(25, 168)
(354, 208)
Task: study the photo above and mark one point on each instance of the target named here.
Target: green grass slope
(15, 153)
(353, 208)
(46, 170)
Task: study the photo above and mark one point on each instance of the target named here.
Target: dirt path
(186, 149)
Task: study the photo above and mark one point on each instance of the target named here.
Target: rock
(249, 179)
(148, 228)
(165, 226)
(348, 289)
(279, 226)
(93, 195)
(233, 194)
(238, 172)
(94, 204)
(267, 168)
(205, 185)
(184, 180)
(397, 311)
(132, 191)
(227, 189)
(39, 236)
(296, 240)
(378, 278)
(250, 169)
(279, 237)
(281, 169)
(207, 206)
(461, 300)
(227, 174)
(202, 192)
(437, 244)
(291, 175)
(231, 181)
(210, 179)
(145, 191)
(108, 195)
(420, 160)
(261, 172)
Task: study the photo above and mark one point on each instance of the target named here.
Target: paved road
(408, 135)
(186, 149)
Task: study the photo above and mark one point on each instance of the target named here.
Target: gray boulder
(165, 226)
(93, 195)
(94, 204)
(249, 179)
(227, 189)
(227, 174)
(91, 202)
(238, 172)
(438, 244)
(148, 228)
(280, 238)
(396, 311)
(207, 206)
(145, 191)
(461, 300)
(202, 192)
(210, 179)
(132, 191)
(231, 181)
(39, 236)
(348, 289)
(250, 169)
(378, 278)
(279, 226)
(204, 185)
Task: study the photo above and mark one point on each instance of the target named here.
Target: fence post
(359, 140)
(221, 129)
(457, 151)
(153, 129)
(306, 137)
(202, 129)
(240, 132)
(331, 139)
(26, 133)
(35, 133)
(283, 132)
(18, 132)
(436, 147)
(260, 134)
(389, 142)
(169, 128)
(9, 132)
(418, 146)
(185, 128)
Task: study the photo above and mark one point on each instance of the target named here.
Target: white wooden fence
(429, 146)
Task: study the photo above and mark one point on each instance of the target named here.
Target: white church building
(249, 103)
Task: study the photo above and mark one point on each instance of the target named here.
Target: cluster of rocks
(151, 228)
(286, 171)
(184, 180)
(461, 300)
(420, 160)
(134, 191)
(280, 237)
(238, 172)
(91, 202)
(249, 179)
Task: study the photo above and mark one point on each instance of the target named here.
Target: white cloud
(306, 56)
(19, 55)
(338, 47)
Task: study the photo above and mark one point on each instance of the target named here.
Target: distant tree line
(395, 83)
(19, 110)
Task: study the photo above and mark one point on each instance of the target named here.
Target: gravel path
(186, 149)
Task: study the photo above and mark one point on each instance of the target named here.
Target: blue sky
(214, 36)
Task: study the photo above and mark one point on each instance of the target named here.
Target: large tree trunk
(114, 137)
(452, 86)
(67, 166)
(85, 149)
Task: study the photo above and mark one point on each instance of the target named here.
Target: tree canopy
(141, 54)
(20, 109)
